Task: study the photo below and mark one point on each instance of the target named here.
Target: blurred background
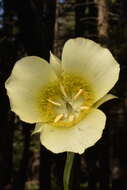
(34, 27)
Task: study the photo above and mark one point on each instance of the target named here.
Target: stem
(67, 170)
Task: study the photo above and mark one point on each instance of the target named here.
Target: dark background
(34, 27)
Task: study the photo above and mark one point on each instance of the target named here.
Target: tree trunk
(21, 177)
(86, 19)
(7, 58)
(103, 24)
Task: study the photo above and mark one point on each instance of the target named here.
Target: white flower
(62, 97)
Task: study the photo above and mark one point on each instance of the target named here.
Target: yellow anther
(58, 117)
(78, 94)
(71, 117)
(63, 90)
(55, 103)
(84, 108)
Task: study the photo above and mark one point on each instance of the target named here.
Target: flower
(62, 97)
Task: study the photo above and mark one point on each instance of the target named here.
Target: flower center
(67, 101)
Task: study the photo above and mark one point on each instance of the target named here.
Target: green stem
(67, 170)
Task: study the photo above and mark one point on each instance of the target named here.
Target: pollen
(67, 101)
(71, 117)
(84, 108)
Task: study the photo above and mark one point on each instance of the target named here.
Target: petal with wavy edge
(29, 76)
(95, 63)
(74, 139)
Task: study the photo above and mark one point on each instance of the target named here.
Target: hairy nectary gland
(67, 101)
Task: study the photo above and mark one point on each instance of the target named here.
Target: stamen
(78, 94)
(84, 108)
(55, 103)
(58, 117)
(63, 90)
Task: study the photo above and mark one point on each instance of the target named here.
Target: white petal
(75, 139)
(106, 98)
(28, 77)
(56, 64)
(95, 63)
